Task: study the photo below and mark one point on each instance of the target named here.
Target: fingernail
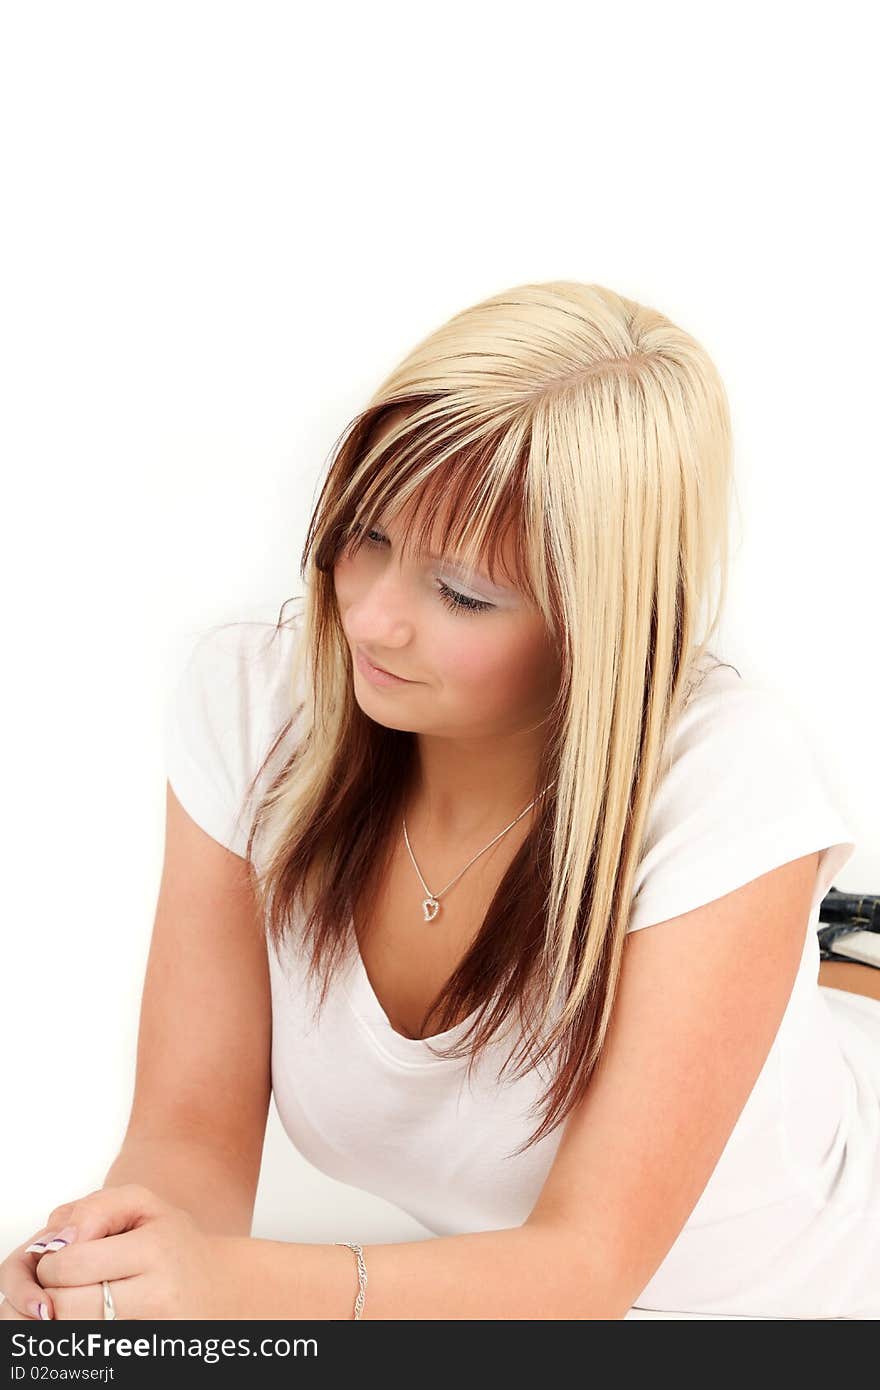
(39, 1246)
(44, 1312)
(40, 1310)
(64, 1237)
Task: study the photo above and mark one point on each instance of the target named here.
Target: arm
(699, 1003)
(190, 1173)
(202, 1085)
(522, 1273)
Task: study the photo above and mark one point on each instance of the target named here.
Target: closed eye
(460, 603)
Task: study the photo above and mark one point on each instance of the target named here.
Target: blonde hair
(596, 433)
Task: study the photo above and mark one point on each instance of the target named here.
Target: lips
(370, 668)
(383, 668)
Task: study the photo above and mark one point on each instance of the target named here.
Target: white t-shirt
(789, 1223)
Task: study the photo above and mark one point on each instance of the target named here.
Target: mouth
(378, 674)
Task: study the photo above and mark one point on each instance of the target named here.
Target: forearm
(192, 1174)
(522, 1273)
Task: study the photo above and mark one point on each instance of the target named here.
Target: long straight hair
(595, 433)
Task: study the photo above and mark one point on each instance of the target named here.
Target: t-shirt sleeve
(743, 794)
(220, 719)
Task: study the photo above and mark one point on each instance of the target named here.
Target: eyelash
(458, 603)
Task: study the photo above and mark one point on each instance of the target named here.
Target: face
(475, 657)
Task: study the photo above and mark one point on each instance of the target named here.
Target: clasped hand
(159, 1261)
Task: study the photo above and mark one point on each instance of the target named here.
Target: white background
(223, 224)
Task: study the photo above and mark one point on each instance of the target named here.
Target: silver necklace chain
(431, 904)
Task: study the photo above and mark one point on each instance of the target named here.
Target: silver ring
(109, 1305)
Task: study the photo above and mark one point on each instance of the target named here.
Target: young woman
(501, 882)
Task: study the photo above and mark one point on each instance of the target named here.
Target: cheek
(466, 659)
(495, 667)
(346, 584)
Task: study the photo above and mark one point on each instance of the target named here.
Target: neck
(461, 791)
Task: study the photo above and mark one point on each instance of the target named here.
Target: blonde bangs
(467, 491)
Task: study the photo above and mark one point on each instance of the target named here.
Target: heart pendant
(431, 908)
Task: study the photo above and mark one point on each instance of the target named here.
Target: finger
(88, 1219)
(50, 1240)
(9, 1313)
(22, 1287)
(85, 1302)
(90, 1261)
(58, 1218)
(110, 1210)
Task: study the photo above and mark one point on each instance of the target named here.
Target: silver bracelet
(362, 1274)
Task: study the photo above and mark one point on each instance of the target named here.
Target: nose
(379, 615)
